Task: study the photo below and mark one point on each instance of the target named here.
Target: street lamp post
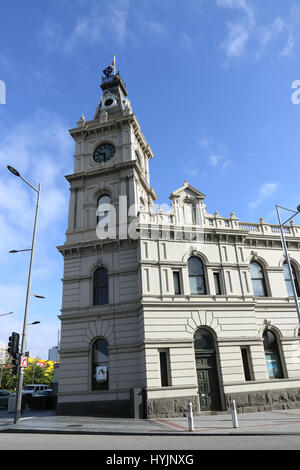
(8, 313)
(24, 335)
(287, 257)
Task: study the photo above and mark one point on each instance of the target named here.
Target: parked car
(4, 396)
(29, 390)
(43, 400)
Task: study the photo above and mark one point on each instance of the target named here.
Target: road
(174, 443)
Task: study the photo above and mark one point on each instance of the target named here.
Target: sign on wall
(101, 373)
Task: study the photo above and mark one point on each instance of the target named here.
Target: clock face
(103, 153)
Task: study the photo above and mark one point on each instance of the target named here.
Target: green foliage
(8, 379)
(36, 374)
(33, 374)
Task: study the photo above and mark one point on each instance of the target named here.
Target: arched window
(288, 280)
(196, 276)
(203, 340)
(100, 287)
(100, 362)
(102, 211)
(272, 354)
(258, 280)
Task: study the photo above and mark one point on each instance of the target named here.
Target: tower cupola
(114, 98)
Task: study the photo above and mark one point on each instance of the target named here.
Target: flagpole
(114, 64)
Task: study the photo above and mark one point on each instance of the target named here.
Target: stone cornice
(94, 128)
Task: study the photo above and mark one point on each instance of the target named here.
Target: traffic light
(15, 363)
(13, 344)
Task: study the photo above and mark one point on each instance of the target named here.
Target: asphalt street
(176, 444)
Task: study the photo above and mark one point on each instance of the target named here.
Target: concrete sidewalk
(281, 422)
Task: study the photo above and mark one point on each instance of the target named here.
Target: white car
(29, 390)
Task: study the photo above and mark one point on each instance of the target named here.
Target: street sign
(24, 361)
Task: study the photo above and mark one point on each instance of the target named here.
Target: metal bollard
(235, 423)
(190, 416)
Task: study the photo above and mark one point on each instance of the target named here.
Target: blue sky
(210, 82)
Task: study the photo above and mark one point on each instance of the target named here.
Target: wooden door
(208, 382)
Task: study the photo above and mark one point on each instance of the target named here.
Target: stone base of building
(264, 400)
(104, 409)
(171, 407)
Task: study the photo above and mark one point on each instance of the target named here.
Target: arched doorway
(207, 371)
(273, 359)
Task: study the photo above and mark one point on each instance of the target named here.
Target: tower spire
(114, 97)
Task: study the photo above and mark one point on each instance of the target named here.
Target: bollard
(190, 416)
(235, 423)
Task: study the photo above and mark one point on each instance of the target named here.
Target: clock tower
(101, 323)
(162, 308)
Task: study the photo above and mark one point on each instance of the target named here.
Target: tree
(38, 371)
(8, 379)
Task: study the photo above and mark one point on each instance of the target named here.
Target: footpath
(281, 422)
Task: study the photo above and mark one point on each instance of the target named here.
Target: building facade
(53, 354)
(172, 305)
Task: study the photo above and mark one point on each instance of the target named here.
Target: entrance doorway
(207, 371)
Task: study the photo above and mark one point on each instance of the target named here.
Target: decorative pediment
(187, 192)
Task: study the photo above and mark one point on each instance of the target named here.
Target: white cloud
(241, 5)
(219, 162)
(266, 190)
(238, 31)
(216, 153)
(292, 27)
(39, 149)
(215, 159)
(289, 46)
(97, 22)
(235, 43)
(243, 31)
(267, 34)
(42, 151)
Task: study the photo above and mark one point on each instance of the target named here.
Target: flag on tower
(111, 68)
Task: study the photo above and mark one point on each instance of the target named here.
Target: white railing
(169, 218)
(250, 227)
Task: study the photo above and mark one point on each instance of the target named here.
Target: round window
(108, 102)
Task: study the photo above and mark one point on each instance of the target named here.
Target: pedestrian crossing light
(13, 344)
